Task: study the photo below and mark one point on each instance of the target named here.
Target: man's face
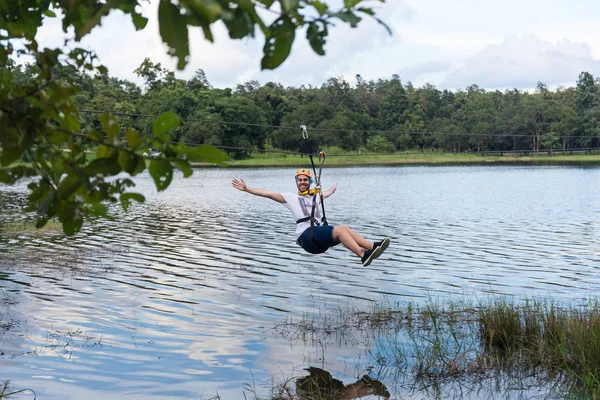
(303, 182)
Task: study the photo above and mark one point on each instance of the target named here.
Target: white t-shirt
(301, 207)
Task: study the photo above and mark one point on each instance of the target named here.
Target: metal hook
(321, 157)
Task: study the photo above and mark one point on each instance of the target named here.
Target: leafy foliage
(82, 162)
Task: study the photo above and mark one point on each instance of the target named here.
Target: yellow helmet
(304, 172)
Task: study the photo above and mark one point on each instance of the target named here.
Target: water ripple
(177, 298)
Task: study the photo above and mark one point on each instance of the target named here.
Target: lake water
(189, 295)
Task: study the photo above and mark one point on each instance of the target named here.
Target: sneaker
(382, 244)
(378, 248)
(368, 257)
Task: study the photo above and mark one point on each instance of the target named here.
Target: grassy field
(278, 160)
(337, 159)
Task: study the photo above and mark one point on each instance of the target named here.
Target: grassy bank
(347, 159)
(343, 160)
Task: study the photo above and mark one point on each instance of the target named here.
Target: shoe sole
(373, 256)
(384, 245)
(377, 252)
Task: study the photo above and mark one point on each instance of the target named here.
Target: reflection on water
(320, 384)
(180, 297)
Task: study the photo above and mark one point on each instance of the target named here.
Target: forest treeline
(386, 115)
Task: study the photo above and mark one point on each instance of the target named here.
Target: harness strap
(309, 218)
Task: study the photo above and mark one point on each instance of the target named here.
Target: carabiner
(321, 157)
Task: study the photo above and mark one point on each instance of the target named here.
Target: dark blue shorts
(323, 238)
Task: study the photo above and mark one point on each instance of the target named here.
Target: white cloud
(522, 62)
(488, 44)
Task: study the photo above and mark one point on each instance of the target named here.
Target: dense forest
(380, 116)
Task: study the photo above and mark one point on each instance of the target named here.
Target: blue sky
(496, 45)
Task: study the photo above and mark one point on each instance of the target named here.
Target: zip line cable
(322, 129)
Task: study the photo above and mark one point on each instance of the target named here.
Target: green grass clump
(543, 335)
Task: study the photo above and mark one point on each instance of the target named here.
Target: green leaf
(134, 139)
(104, 151)
(368, 11)
(11, 152)
(205, 12)
(97, 209)
(6, 177)
(111, 127)
(183, 166)
(266, 3)
(164, 123)
(240, 24)
(47, 207)
(126, 199)
(250, 8)
(289, 5)
(316, 38)
(22, 171)
(49, 13)
(3, 55)
(38, 190)
(91, 21)
(102, 69)
(204, 153)
(351, 3)
(140, 166)
(139, 21)
(207, 32)
(173, 29)
(71, 218)
(320, 7)
(68, 185)
(130, 162)
(103, 166)
(162, 173)
(349, 17)
(278, 43)
(96, 136)
(57, 137)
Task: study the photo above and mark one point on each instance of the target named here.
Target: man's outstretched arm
(241, 185)
(329, 192)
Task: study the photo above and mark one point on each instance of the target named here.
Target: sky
(451, 45)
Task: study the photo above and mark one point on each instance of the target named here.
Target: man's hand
(240, 185)
(330, 191)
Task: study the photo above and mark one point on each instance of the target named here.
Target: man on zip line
(310, 234)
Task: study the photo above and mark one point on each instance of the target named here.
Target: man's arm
(241, 185)
(329, 192)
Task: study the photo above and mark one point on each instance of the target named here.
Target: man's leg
(351, 240)
(361, 241)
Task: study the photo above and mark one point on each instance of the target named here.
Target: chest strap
(301, 220)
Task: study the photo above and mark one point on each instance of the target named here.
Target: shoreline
(414, 160)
